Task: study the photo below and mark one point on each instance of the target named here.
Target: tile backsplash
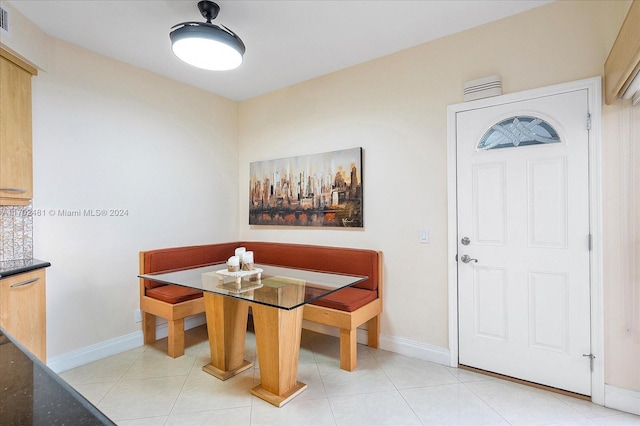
(16, 232)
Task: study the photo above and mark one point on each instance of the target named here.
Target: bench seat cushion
(173, 293)
(348, 299)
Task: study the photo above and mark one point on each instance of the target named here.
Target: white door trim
(593, 86)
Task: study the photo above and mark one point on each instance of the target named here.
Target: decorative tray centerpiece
(239, 275)
(240, 266)
(240, 287)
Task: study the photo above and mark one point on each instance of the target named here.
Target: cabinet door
(16, 169)
(22, 310)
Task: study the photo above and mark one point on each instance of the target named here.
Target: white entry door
(523, 240)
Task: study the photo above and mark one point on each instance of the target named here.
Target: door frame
(596, 260)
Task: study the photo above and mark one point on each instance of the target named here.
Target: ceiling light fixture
(206, 45)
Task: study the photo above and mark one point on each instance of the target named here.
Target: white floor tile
(587, 408)
(306, 356)
(618, 420)
(144, 421)
(316, 412)
(109, 369)
(380, 408)
(144, 387)
(94, 392)
(368, 377)
(204, 392)
(153, 364)
(522, 405)
(450, 405)
(142, 398)
(466, 376)
(583, 422)
(228, 417)
(310, 375)
(407, 372)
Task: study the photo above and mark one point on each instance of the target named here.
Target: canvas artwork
(309, 190)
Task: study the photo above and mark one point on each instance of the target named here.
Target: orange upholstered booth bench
(346, 309)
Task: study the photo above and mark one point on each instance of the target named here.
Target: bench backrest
(318, 258)
(176, 258)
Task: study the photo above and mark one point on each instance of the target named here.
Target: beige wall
(621, 153)
(395, 108)
(108, 135)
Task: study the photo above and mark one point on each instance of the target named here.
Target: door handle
(467, 259)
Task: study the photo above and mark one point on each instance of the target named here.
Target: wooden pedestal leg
(348, 349)
(373, 332)
(149, 328)
(278, 334)
(175, 338)
(227, 328)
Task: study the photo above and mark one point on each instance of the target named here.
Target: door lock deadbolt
(465, 241)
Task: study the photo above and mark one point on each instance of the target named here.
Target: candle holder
(233, 264)
(246, 261)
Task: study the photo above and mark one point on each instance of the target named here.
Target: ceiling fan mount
(209, 10)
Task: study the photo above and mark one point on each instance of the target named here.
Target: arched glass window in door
(518, 131)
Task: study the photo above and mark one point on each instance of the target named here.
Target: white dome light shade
(207, 46)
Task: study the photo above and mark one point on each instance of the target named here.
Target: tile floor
(144, 386)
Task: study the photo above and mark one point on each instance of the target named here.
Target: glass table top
(280, 287)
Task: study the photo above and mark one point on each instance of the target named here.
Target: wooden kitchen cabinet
(23, 310)
(16, 165)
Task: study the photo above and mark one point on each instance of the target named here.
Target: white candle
(247, 257)
(239, 252)
(233, 264)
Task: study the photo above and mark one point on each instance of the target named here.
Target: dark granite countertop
(13, 267)
(32, 394)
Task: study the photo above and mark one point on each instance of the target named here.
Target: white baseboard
(110, 347)
(622, 399)
(424, 351)
(390, 343)
(95, 352)
(114, 346)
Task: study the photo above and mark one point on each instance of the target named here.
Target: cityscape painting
(309, 190)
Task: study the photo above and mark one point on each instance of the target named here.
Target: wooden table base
(225, 374)
(278, 400)
(227, 329)
(278, 334)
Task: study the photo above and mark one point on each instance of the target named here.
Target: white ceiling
(287, 41)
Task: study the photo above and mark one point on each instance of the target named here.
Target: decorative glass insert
(518, 131)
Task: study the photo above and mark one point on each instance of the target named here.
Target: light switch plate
(424, 236)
